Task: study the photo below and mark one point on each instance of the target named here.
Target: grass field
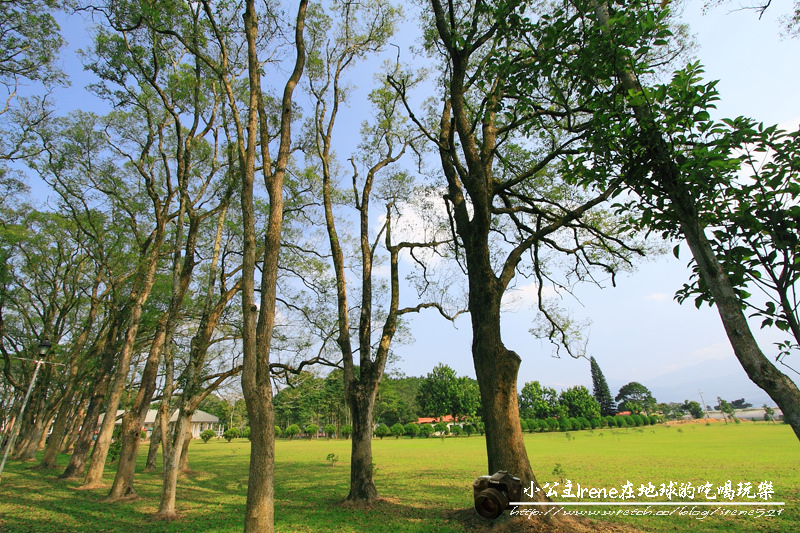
(424, 480)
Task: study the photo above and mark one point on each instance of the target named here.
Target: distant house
(200, 421)
(432, 420)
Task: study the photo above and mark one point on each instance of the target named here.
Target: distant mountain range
(715, 378)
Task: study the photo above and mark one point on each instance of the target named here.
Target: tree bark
(50, 459)
(86, 437)
(155, 442)
(133, 419)
(362, 485)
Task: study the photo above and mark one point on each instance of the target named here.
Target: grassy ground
(425, 480)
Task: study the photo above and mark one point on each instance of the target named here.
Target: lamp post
(44, 346)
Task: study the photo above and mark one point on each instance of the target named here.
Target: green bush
(564, 424)
(330, 430)
(523, 424)
(619, 421)
(246, 433)
(584, 422)
(346, 431)
(456, 430)
(552, 424)
(207, 435)
(411, 429)
(278, 432)
(469, 429)
(292, 431)
(653, 420)
(441, 427)
(425, 430)
(596, 422)
(533, 425)
(610, 421)
(397, 430)
(480, 427)
(230, 434)
(382, 430)
(311, 430)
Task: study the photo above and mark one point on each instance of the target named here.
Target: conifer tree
(600, 390)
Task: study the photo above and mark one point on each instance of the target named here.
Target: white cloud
(517, 297)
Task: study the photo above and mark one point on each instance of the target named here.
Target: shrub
(441, 427)
(330, 430)
(411, 429)
(523, 424)
(610, 421)
(469, 429)
(346, 431)
(207, 435)
(619, 421)
(312, 430)
(634, 420)
(584, 422)
(116, 444)
(382, 430)
(292, 431)
(332, 458)
(246, 433)
(230, 434)
(456, 430)
(278, 431)
(533, 425)
(564, 424)
(425, 430)
(596, 423)
(552, 424)
(397, 430)
(480, 427)
(653, 420)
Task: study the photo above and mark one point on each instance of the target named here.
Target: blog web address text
(686, 499)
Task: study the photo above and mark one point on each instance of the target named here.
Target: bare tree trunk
(106, 348)
(183, 465)
(258, 323)
(133, 419)
(155, 442)
(33, 426)
(166, 509)
(50, 459)
(362, 485)
(67, 445)
(94, 475)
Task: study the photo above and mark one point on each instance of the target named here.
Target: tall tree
(361, 29)
(499, 129)
(635, 397)
(258, 321)
(684, 162)
(600, 390)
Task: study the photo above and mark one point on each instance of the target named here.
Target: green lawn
(424, 480)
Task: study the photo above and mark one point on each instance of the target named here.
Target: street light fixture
(44, 347)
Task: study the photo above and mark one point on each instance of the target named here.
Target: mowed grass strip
(422, 480)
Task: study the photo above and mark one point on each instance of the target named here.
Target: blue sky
(638, 332)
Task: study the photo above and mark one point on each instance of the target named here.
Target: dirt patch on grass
(693, 421)
(520, 524)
